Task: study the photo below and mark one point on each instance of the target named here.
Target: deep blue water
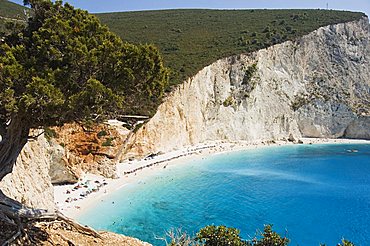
(314, 193)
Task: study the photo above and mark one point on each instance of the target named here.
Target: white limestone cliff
(316, 86)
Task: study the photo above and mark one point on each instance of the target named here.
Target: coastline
(70, 202)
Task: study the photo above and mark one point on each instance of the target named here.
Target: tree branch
(36, 137)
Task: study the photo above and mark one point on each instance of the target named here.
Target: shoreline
(72, 200)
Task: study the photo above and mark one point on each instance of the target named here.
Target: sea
(311, 194)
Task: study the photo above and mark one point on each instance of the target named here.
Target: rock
(314, 87)
(30, 183)
(291, 138)
(325, 119)
(62, 233)
(59, 171)
(359, 128)
(300, 141)
(92, 151)
(107, 168)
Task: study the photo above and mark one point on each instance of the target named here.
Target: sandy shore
(72, 199)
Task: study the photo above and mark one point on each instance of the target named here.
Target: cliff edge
(316, 86)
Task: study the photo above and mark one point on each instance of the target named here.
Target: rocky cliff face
(30, 182)
(317, 86)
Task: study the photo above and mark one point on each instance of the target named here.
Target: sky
(98, 6)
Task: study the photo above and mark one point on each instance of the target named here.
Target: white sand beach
(72, 199)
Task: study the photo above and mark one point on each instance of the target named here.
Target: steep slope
(190, 39)
(10, 12)
(315, 86)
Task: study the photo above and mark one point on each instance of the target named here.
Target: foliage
(108, 142)
(344, 243)
(269, 238)
(228, 101)
(66, 66)
(178, 238)
(10, 11)
(222, 236)
(219, 236)
(192, 39)
(102, 134)
(249, 73)
(50, 133)
(298, 102)
(248, 81)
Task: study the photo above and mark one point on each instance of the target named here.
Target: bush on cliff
(224, 236)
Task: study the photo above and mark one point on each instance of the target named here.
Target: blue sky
(96, 6)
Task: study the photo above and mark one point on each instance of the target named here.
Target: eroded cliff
(317, 86)
(30, 183)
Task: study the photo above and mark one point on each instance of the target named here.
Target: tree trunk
(14, 137)
(15, 217)
(12, 143)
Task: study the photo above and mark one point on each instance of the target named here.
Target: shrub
(269, 238)
(102, 134)
(219, 236)
(299, 101)
(249, 73)
(228, 101)
(108, 142)
(177, 237)
(50, 133)
(225, 236)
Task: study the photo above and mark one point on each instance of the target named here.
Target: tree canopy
(64, 66)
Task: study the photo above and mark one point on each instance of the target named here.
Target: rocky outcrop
(316, 86)
(30, 183)
(67, 152)
(57, 233)
(77, 149)
(359, 128)
(60, 172)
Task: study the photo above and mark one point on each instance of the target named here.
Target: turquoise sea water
(313, 193)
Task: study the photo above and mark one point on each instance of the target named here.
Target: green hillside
(192, 39)
(9, 10)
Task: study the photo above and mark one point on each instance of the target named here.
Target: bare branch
(36, 137)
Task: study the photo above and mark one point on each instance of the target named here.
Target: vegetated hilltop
(192, 39)
(9, 10)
